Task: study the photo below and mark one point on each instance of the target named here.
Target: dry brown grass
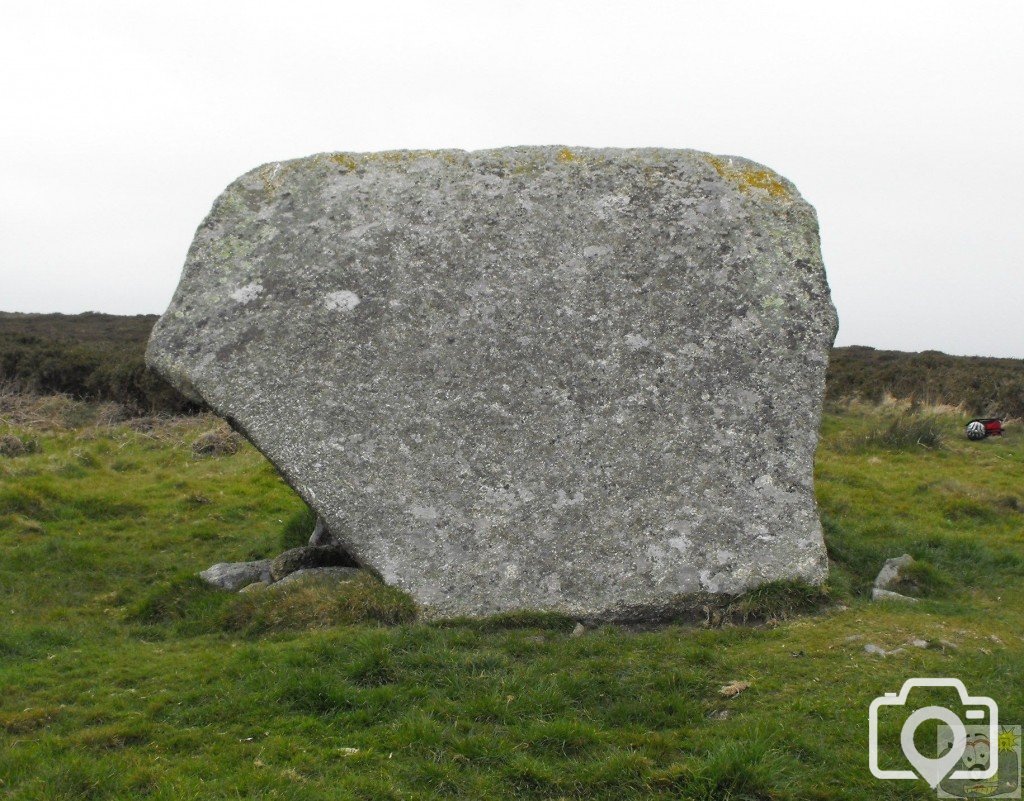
(26, 414)
(219, 441)
(27, 720)
(50, 413)
(13, 445)
(893, 405)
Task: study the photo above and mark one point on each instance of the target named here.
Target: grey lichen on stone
(236, 575)
(578, 380)
(893, 572)
(887, 595)
(308, 556)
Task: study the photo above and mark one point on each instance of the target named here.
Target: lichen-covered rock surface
(546, 378)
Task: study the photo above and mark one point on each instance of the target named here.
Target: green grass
(124, 677)
(297, 528)
(900, 431)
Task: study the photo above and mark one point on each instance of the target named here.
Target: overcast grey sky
(902, 122)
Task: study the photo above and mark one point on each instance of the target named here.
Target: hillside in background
(982, 385)
(100, 357)
(89, 356)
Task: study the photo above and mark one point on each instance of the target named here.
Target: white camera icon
(934, 771)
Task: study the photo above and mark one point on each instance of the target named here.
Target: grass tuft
(375, 668)
(755, 770)
(316, 692)
(776, 601)
(903, 431)
(12, 445)
(219, 441)
(549, 621)
(186, 602)
(921, 579)
(189, 606)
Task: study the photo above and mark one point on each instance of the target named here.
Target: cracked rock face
(587, 381)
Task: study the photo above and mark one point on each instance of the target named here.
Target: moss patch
(344, 160)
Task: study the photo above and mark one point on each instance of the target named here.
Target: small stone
(321, 534)
(733, 688)
(878, 650)
(318, 574)
(235, 575)
(892, 572)
(579, 631)
(306, 556)
(918, 643)
(886, 595)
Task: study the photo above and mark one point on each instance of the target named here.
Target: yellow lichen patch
(400, 156)
(344, 160)
(747, 178)
(525, 168)
(584, 157)
(353, 161)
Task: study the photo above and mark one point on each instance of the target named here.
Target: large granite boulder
(578, 380)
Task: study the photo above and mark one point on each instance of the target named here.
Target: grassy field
(124, 678)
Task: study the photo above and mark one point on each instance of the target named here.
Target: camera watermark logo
(980, 749)
(982, 713)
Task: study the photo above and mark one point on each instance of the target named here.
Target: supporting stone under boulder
(236, 575)
(309, 556)
(587, 381)
(303, 562)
